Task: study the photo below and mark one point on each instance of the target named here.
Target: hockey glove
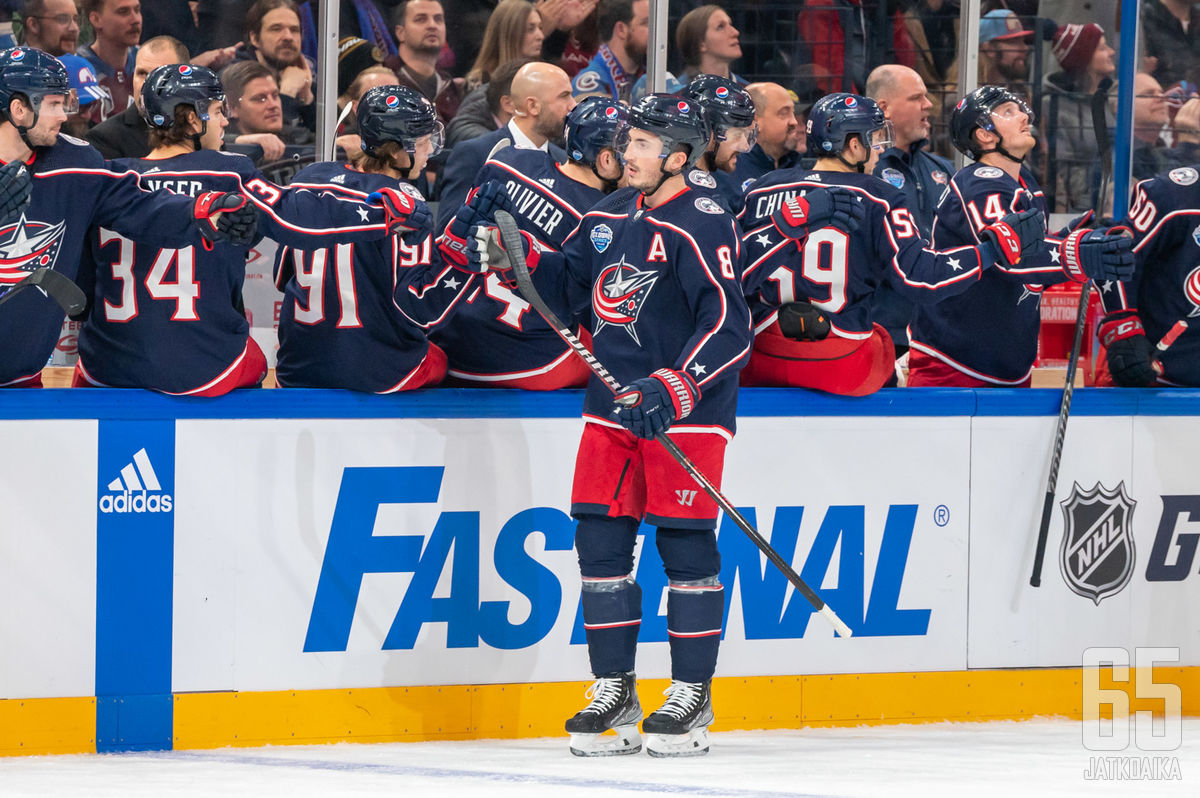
(1095, 255)
(1017, 234)
(820, 207)
(486, 252)
(800, 321)
(480, 209)
(649, 406)
(236, 224)
(403, 214)
(16, 186)
(1130, 355)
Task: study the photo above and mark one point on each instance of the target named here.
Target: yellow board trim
(31, 726)
(459, 712)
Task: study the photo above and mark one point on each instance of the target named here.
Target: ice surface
(1015, 760)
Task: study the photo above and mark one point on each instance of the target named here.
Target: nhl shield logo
(1097, 554)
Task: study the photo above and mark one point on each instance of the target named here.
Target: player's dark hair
(388, 155)
(254, 17)
(611, 12)
(177, 133)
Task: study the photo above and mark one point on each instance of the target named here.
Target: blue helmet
(836, 117)
(591, 127)
(726, 104)
(399, 114)
(28, 72)
(678, 122)
(975, 112)
(169, 86)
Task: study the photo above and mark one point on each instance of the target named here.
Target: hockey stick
(1104, 148)
(55, 285)
(511, 236)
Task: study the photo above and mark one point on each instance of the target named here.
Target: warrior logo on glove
(618, 295)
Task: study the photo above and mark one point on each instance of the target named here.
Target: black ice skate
(614, 705)
(680, 726)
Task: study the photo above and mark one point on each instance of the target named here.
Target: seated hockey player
(1164, 288)
(654, 263)
(987, 335)
(811, 290)
(357, 315)
(171, 318)
(496, 340)
(729, 111)
(58, 187)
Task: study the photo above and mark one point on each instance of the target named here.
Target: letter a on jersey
(658, 250)
(618, 295)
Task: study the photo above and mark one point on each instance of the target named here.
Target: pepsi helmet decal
(17, 55)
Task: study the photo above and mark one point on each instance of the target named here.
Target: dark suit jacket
(122, 135)
(463, 164)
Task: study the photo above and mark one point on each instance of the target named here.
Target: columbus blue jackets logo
(1184, 176)
(619, 294)
(1097, 554)
(1191, 286)
(26, 245)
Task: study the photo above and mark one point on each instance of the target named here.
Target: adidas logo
(151, 170)
(548, 182)
(136, 490)
(338, 179)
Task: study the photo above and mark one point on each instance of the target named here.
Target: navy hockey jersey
(170, 318)
(1165, 219)
(839, 272)
(989, 332)
(72, 189)
(496, 335)
(356, 315)
(662, 287)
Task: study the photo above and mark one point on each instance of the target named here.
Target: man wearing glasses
(51, 26)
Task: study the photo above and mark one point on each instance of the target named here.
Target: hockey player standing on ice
(729, 111)
(812, 290)
(1165, 287)
(496, 340)
(357, 315)
(987, 335)
(655, 265)
(171, 318)
(54, 187)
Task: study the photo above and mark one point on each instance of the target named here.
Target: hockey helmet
(836, 117)
(172, 85)
(399, 114)
(975, 111)
(727, 106)
(677, 122)
(591, 127)
(28, 72)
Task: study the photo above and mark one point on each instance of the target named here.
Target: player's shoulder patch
(708, 205)
(1183, 176)
(411, 191)
(1196, 235)
(702, 178)
(893, 176)
(601, 236)
(940, 177)
(747, 183)
(988, 172)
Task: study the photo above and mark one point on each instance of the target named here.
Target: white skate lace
(604, 694)
(682, 698)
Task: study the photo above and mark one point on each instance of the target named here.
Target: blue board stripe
(479, 403)
(135, 524)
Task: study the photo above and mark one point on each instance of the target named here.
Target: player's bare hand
(272, 146)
